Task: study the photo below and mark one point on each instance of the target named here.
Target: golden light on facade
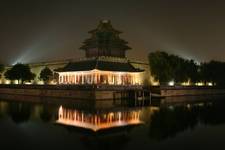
(100, 77)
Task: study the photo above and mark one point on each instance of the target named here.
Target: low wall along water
(171, 91)
(94, 92)
(87, 92)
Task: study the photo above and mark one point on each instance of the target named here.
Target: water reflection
(47, 113)
(171, 120)
(19, 112)
(114, 127)
(98, 120)
(107, 142)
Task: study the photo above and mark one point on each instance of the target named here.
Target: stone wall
(55, 91)
(146, 75)
(167, 91)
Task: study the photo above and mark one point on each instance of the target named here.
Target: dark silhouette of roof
(103, 65)
(105, 37)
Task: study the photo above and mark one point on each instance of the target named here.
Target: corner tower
(105, 61)
(105, 41)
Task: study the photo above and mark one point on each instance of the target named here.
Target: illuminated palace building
(105, 61)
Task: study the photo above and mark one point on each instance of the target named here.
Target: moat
(65, 124)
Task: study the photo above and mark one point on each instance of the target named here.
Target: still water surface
(29, 125)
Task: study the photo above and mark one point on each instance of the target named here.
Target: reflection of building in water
(3, 107)
(98, 121)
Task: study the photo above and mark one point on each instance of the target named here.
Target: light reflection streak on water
(98, 121)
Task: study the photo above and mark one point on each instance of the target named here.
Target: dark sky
(53, 30)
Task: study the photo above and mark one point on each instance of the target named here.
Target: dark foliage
(46, 75)
(213, 71)
(2, 68)
(165, 67)
(20, 72)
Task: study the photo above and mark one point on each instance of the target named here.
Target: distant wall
(146, 75)
(173, 91)
(37, 67)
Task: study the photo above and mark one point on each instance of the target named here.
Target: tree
(160, 67)
(20, 72)
(213, 71)
(165, 67)
(46, 75)
(2, 68)
(193, 71)
(19, 112)
(178, 66)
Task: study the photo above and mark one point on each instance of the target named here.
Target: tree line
(166, 67)
(22, 73)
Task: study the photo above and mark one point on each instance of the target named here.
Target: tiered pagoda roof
(105, 38)
(105, 51)
(100, 63)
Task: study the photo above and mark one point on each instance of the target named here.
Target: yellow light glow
(171, 83)
(40, 82)
(7, 81)
(186, 83)
(28, 83)
(53, 83)
(199, 84)
(210, 84)
(155, 83)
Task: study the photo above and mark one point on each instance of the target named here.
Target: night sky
(45, 31)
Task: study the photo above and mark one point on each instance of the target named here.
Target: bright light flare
(171, 83)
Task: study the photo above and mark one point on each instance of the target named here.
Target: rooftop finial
(105, 21)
